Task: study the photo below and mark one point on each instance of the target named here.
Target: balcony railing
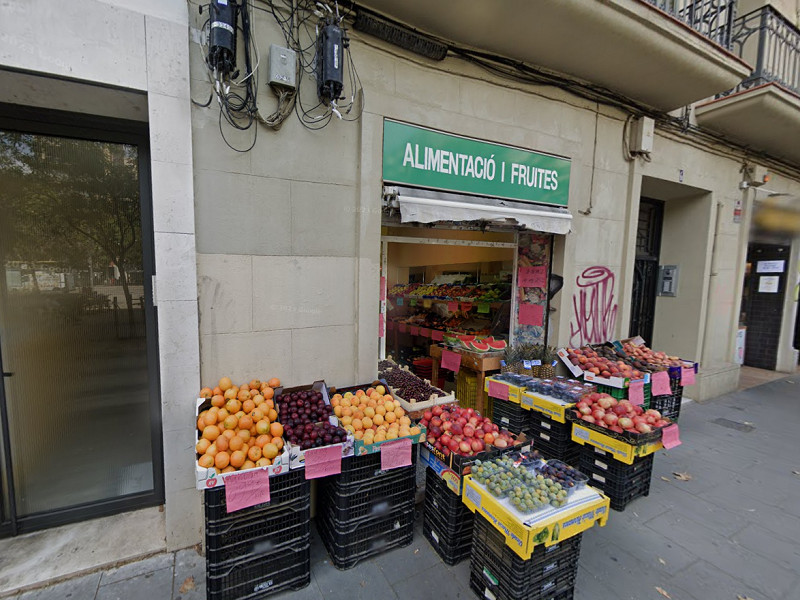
(711, 18)
(766, 39)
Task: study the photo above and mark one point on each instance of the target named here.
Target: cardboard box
(621, 450)
(574, 369)
(552, 407)
(461, 464)
(453, 480)
(208, 478)
(586, 508)
(297, 456)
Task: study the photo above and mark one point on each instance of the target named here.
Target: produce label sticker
(437, 335)
(412, 301)
(670, 436)
(466, 306)
(427, 304)
(531, 314)
(483, 307)
(424, 332)
(660, 381)
(498, 390)
(636, 392)
(399, 301)
(243, 490)
(396, 454)
(381, 326)
(383, 288)
(526, 364)
(451, 361)
(321, 462)
(452, 306)
(687, 376)
(414, 330)
(532, 277)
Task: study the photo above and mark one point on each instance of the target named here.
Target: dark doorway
(79, 406)
(645, 276)
(762, 303)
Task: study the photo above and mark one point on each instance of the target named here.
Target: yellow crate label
(554, 410)
(622, 451)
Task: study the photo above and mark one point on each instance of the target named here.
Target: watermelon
(466, 338)
(489, 339)
(496, 345)
(467, 344)
(479, 346)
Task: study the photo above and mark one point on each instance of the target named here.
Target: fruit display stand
(481, 363)
(585, 508)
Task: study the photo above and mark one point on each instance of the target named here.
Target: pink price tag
(425, 332)
(532, 277)
(636, 392)
(670, 436)
(452, 306)
(498, 390)
(321, 462)
(687, 376)
(531, 314)
(401, 327)
(383, 288)
(451, 361)
(246, 489)
(396, 454)
(466, 306)
(437, 335)
(414, 330)
(660, 381)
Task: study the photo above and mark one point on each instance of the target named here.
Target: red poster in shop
(531, 314)
(532, 277)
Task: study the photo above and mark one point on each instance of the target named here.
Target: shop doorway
(645, 278)
(80, 427)
(762, 302)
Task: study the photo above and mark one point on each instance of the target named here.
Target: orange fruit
(254, 453)
(235, 443)
(357, 424)
(270, 451)
(257, 399)
(377, 419)
(399, 412)
(278, 443)
(366, 422)
(347, 411)
(337, 410)
(218, 401)
(228, 469)
(244, 434)
(212, 450)
(390, 417)
(347, 420)
(380, 410)
(262, 427)
(221, 414)
(358, 414)
(222, 443)
(206, 393)
(244, 386)
(253, 432)
(211, 417)
(233, 406)
(269, 403)
(276, 429)
(255, 384)
(239, 414)
(222, 460)
(228, 433)
(201, 423)
(225, 383)
(248, 406)
(415, 430)
(230, 422)
(268, 393)
(257, 415)
(369, 412)
(211, 432)
(274, 382)
(238, 458)
(248, 464)
(273, 414)
(263, 462)
(202, 445)
(217, 391)
(245, 422)
(262, 440)
(404, 420)
(206, 461)
(369, 391)
(243, 395)
(230, 394)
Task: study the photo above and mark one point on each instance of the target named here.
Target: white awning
(416, 209)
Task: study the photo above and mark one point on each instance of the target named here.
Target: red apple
(588, 418)
(610, 418)
(598, 414)
(437, 410)
(469, 431)
(585, 410)
(643, 428)
(604, 403)
(464, 448)
(427, 415)
(477, 445)
(488, 438)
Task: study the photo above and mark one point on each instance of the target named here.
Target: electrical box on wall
(282, 67)
(668, 280)
(642, 133)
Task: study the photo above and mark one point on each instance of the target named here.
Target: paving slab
(79, 588)
(149, 586)
(189, 576)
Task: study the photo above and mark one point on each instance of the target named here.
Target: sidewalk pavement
(722, 522)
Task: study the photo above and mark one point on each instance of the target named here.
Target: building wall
(129, 59)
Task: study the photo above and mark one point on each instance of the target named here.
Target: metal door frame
(97, 129)
(656, 231)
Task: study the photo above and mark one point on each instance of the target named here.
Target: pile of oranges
(240, 429)
(372, 415)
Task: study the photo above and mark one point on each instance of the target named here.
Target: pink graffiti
(595, 309)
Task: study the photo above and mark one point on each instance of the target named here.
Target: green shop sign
(426, 158)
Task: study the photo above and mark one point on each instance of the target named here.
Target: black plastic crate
(289, 487)
(668, 406)
(564, 450)
(596, 460)
(485, 589)
(357, 469)
(368, 499)
(450, 553)
(510, 416)
(620, 482)
(540, 423)
(452, 532)
(259, 577)
(258, 534)
(349, 544)
(441, 495)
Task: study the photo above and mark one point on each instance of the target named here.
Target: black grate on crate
(288, 487)
(357, 469)
(484, 590)
(508, 415)
(557, 432)
(367, 500)
(620, 482)
(258, 534)
(450, 553)
(668, 406)
(286, 569)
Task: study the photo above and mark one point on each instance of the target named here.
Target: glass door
(77, 330)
